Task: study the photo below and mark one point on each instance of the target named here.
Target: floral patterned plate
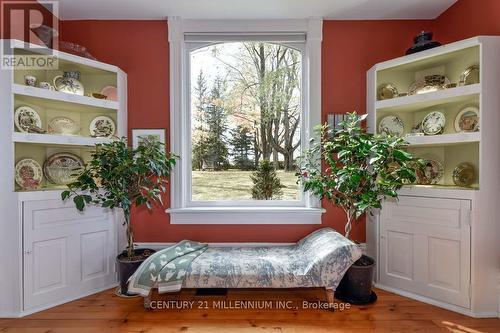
(432, 172)
(391, 125)
(433, 123)
(102, 127)
(467, 120)
(28, 174)
(26, 118)
(63, 126)
(62, 168)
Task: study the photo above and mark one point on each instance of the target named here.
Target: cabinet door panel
(66, 253)
(49, 265)
(425, 247)
(399, 255)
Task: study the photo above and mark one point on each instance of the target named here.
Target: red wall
(350, 48)
(468, 18)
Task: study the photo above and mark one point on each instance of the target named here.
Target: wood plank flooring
(105, 312)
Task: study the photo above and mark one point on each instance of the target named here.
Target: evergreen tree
(215, 118)
(266, 183)
(199, 131)
(241, 142)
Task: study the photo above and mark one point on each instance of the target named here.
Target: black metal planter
(356, 285)
(127, 267)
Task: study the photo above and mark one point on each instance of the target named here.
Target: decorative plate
(110, 92)
(26, 118)
(69, 85)
(62, 168)
(429, 84)
(102, 126)
(433, 123)
(63, 125)
(431, 173)
(386, 91)
(28, 174)
(391, 125)
(469, 76)
(464, 174)
(467, 120)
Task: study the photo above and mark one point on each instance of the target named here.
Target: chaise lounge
(319, 260)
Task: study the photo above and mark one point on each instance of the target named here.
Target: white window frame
(183, 209)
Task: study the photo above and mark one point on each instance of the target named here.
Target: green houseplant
(359, 170)
(118, 176)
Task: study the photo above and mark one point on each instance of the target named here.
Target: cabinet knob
(382, 237)
(27, 252)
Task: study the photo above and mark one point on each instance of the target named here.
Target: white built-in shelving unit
(439, 242)
(53, 253)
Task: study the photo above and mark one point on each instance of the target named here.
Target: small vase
(422, 41)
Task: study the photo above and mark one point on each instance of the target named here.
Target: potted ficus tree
(355, 170)
(118, 176)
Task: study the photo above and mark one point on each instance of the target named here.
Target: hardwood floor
(105, 312)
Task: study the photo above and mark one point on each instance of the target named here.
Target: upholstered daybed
(318, 260)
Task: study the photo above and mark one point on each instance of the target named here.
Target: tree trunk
(256, 151)
(287, 162)
(351, 217)
(130, 234)
(275, 159)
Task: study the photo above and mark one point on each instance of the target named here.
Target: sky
(204, 59)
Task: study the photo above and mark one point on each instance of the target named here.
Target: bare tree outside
(246, 109)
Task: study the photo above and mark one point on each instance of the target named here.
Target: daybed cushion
(318, 260)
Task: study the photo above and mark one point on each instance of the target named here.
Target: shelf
(442, 191)
(64, 57)
(442, 187)
(45, 188)
(63, 97)
(422, 101)
(51, 139)
(443, 139)
(433, 56)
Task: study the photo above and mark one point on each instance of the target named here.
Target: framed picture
(138, 135)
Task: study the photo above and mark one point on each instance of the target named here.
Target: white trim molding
(247, 215)
(164, 245)
(444, 305)
(182, 35)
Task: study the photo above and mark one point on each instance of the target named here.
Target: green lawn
(236, 185)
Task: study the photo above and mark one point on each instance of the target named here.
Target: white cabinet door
(425, 247)
(67, 254)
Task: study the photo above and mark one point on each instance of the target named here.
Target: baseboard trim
(454, 308)
(159, 246)
(8, 315)
(70, 299)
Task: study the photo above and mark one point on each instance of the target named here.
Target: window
(246, 108)
(244, 99)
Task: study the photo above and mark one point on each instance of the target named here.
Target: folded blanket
(165, 269)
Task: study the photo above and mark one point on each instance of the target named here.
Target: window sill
(245, 215)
